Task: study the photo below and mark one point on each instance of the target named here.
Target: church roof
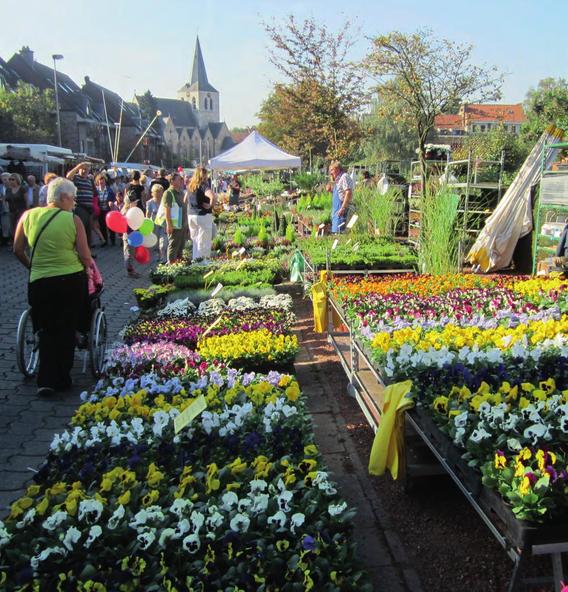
(216, 128)
(199, 80)
(180, 112)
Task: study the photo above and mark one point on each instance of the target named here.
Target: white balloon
(150, 240)
(135, 218)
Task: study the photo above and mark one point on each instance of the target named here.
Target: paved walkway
(28, 422)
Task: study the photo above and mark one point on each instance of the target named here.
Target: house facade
(477, 118)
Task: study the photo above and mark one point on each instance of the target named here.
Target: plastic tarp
(254, 152)
(512, 218)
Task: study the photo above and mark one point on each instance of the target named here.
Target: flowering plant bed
(488, 359)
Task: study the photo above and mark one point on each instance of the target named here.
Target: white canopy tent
(254, 152)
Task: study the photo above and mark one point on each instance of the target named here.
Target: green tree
(387, 136)
(148, 106)
(323, 90)
(544, 105)
(27, 115)
(420, 76)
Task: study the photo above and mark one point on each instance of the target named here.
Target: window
(482, 128)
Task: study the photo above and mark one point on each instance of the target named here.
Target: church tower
(203, 97)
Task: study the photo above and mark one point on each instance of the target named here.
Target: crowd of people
(179, 205)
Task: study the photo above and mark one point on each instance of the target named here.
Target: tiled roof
(216, 128)
(504, 113)
(7, 74)
(448, 121)
(71, 98)
(130, 114)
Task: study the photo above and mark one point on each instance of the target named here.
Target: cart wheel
(27, 345)
(97, 342)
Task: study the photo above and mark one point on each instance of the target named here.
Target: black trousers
(85, 214)
(105, 231)
(59, 308)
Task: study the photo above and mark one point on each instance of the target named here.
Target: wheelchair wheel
(27, 345)
(97, 342)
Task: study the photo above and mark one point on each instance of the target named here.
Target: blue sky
(133, 45)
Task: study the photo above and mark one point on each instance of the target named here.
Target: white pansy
(166, 535)
(240, 523)
(27, 519)
(191, 543)
(55, 520)
(116, 517)
(179, 506)
(259, 503)
(296, 520)
(146, 538)
(460, 421)
(197, 519)
(45, 554)
(537, 432)
(214, 521)
(182, 527)
(337, 509)
(284, 500)
(258, 485)
(94, 533)
(71, 537)
(5, 536)
(90, 510)
(279, 519)
(229, 499)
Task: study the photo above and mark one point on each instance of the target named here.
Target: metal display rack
(479, 184)
(518, 539)
(552, 204)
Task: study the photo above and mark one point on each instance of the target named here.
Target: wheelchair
(93, 344)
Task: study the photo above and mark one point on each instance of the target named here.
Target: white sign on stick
(217, 289)
(351, 222)
(335, 243)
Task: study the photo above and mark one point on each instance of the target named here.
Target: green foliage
(262, 236)
(290, 233)
(380, 213)
(263, 186)
(319, 201)
(490, 145)
(239, 238)
(218, 243)
(152, 296)
(439, 237)
(27, 115)
(358, 252)
(544, 105)
(307, 180)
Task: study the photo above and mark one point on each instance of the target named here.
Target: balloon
(142, 255)
(135, 239)
(116, 222)
(135, 218)
(146, 227)
(150, 240)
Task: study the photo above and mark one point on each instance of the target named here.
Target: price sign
(208, 274)
(335, 243)
(356, 246)
(351, 222)
(189, 414)
(217, 289)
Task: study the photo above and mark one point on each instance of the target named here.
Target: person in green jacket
(57, 289)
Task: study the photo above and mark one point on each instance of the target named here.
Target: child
(126, 248)
(152, 208)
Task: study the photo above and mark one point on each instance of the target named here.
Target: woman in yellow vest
(57, 289)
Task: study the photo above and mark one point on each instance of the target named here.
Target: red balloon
(142, 255)
(116, 222)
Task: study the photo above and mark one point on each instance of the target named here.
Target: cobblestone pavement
(28, 422)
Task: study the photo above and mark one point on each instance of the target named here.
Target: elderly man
(342, 196)
(85, 194)
(33, 192)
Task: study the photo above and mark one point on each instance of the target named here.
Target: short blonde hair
(156, 188)
(335, 164)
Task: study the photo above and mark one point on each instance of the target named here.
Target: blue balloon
(135, 239)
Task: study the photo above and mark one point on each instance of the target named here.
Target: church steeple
(198, 73)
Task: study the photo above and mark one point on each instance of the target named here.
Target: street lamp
(57, 56)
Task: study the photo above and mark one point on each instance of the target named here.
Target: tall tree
(545, 104)
(323, 90)
(148, 106)
(27, 114)
(426, 76)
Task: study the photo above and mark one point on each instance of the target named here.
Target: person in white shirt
(33, 192)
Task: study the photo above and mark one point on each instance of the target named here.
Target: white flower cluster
(178, 308)
(407, 359)
(282, 301)
(211, 307)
